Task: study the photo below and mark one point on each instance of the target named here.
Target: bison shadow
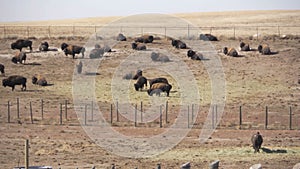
(92, 73)
(269, 151)
(33, 64)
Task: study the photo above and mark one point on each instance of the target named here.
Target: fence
(56, 31)
(234, 117)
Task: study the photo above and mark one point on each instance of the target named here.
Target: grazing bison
(145, 39)
(158, 80)
(39, 80)
(138, 46)
(121, 37)
(72, 49)
(19, 57)
(21, 43)
(44, 46)
(140, 83)
(138, 74)
(2, 69)
(79, 67)
(11, 81)
(159, 57)
(264, 49)
(256, 140)
(230, 52)
(178, 44)
(208, 37)
(194, 56)
(244, 46)
(163, 87)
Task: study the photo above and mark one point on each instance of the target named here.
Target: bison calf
(72, 49)
(21, 43)
(257, 141)
(2, 69)
(264, 49)
(39, 80)
(230, 52)
(11, 81)
(19, 57)
(162, 87)
(140, 83)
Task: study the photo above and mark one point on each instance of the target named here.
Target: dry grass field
(253, 81)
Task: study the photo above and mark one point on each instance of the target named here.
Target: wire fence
(57, 31)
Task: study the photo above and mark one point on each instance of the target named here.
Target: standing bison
(178, 44)
(208, 37)
(145, 39)
(21, 43)
(140, 83)
(230, 52)
(158, 88)
(39, 80)
(2, 69)
(19, 57)
(44, 46)
(11, 81)
(257, 141)
(72, 49)
(264, 49)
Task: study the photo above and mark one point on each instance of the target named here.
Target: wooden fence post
(291, 119)
(8, 112)
(165, 32)
(167, 104)
(117, 111)
(73, 30)
(188, 31)
(42, 108)
(92, 111)
(141, 111)
(27, 31)
(266, 120)
(213, 118)
(135, 115)
(60, 114)
(4, 32)
(31, 115)
(160, 116)
(49, 32)
(188, 117)
(193, 114)
(26, 154)
(257, 34)
(216, 106)
(240, 117)
(85, 115)
(66, 109)
(234, 32)
(278, 29)
(111, 114)
(18, 108)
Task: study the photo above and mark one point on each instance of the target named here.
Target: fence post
(165, 32)
(85, 114)
(18, 108)
(66, 109)
(49, 33)
(73, 30)
(167, 104)
(60, 113)
(266, 122)
(26, 154)
(213, 118)
(27, 31)
(291, 118)
(4, 32)
(278, 31)
(92, 111)
(111, 114)
(216, 106)
(188, 117)
(240, 117)
(257, 34)
(188, 31)
(42, 108)
(141, 111)
(117, 111)
(234, 32)
(135, 115)
(160, 116)
(8, 112)
(193, 114)
(31, 116)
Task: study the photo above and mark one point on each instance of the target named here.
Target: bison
(39, 80)
(230, 52)
(21, 43)
(44, 46)
(178, 44)
(158, 80)
(244, 46)
(159, 57)
(121, 37)
(138, 46)
(208, 37)
(159, 87)
(2, 69)
(194, 55)
(19, 57)
(264, 49)
(145, 39)
(11, 81)
(140, 83)
(97, 52)
(72, 49)
(138, 74)
(257, 141)
(79, 67)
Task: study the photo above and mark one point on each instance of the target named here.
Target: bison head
(64, 46)
(34, 80)
(190, 53)
(259, 48)
(225, 50)
(133, 45)
(14, 60)
(5, 82)
(13, 45)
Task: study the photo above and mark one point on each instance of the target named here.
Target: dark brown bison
(138, 46)
(145, 39)
(138, 74)
(159, 87)
(19, 57)
(21, 43)
(230, 52)
(44, 46)
(79, 67)
(264, 49)
(194, 55)
(256, 141)
(97, 52)
(11, 81)
(140, 83)
(121, 37)
(159, 57)
(2, 69)
(72, 49)
(178, 44)
(208, 37)
(39, 80)
(244, 46)
(158, 80)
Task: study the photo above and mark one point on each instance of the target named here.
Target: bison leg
(30, 48)
(73, 55)
(23, 87)
(13, 88)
